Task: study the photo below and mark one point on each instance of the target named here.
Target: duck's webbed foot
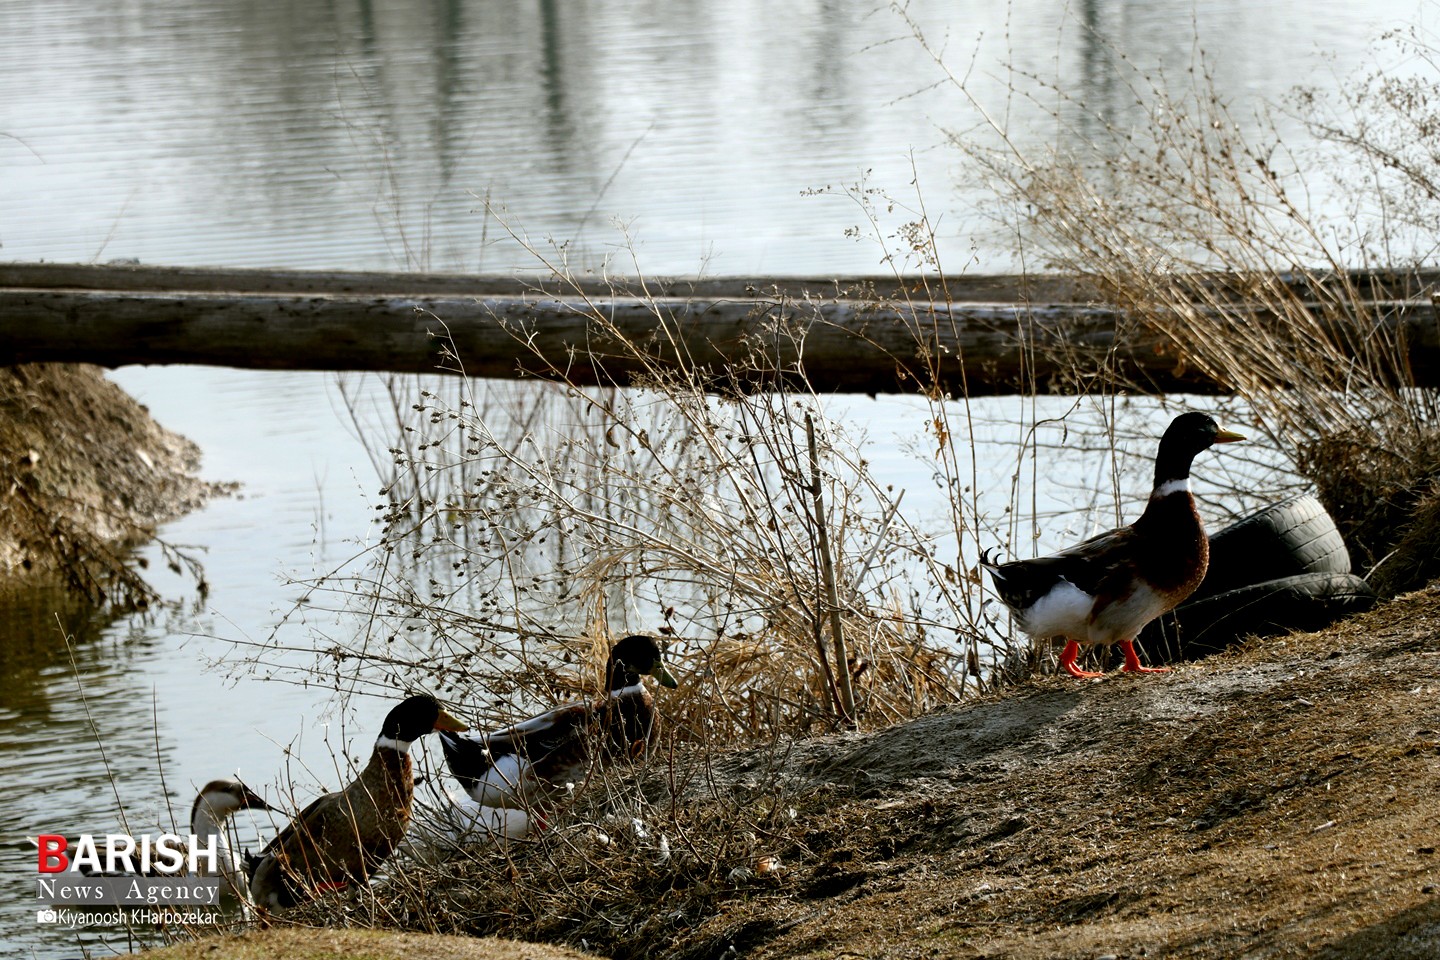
(1132, 660)
(1067, 660)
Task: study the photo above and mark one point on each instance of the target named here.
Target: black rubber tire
(1309, 601)
(1286, 539)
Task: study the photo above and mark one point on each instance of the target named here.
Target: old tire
(1305, 602)
(1286, 539)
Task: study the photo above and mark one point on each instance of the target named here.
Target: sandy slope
(1282, 801)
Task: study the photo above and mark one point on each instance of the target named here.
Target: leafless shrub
(521, 532)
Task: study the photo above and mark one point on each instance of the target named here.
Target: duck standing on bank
(536, 759)
(1104, 590)
(344, 836)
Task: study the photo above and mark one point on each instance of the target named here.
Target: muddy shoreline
(86, 475)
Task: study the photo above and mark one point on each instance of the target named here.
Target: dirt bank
(85, 475)
(1279, 801)
(1282, 801)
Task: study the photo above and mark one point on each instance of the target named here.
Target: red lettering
(52, 853)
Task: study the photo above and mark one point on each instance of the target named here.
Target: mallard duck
(534, 760)
(344, 836)
(1102, 591)
(216, 802)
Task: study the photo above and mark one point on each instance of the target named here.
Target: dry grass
(525, 526)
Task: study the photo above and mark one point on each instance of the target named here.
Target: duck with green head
(1104, 590)
(343, 837)
(537, 759)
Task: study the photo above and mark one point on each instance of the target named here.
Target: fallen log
(846, 346)
(838, 343)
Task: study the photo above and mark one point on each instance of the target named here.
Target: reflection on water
(34, 624)
(71, 676)
(364, 135)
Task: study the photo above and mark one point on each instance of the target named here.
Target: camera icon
(45, 916)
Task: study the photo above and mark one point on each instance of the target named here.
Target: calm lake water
(369, 135)
(360, 135)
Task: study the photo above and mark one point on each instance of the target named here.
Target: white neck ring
(1172, 486)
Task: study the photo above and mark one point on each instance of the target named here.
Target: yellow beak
(447, 722)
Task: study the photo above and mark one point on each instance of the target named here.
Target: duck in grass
(536, 759)
(343, 837)
(1104, 590)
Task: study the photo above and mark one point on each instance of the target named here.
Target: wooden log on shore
(849, 344)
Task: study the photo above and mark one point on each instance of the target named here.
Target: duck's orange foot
(1132, 660)
(1067, 660)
